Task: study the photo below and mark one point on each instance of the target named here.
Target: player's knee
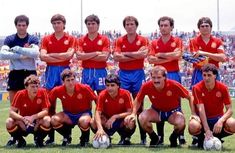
(143, 118)
(55, 120)
(46, 122)
(9, 123)
(194, 127)
(229, 125)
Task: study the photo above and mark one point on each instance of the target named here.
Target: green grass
(228, 146)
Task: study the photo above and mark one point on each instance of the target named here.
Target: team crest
(39, 101)
(123, 46)
(153, 97)
(218, 94)
(173, 44)
(84, 44)
(50, 42)
(79, 96)
(66, 42)
(63, 97)
(169, 93)
(106, 100)
(25, 105)
(99, 42)
(138, 43)
(203, 94)
(200, 48)
(213, 45)
(121, 101)
(157, 47)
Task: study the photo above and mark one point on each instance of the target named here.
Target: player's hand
(130, 118)
(109, 123)
(30, 118)
(218, 127)
(99, 134)
(208, 134)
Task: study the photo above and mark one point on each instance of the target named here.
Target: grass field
(228, 146)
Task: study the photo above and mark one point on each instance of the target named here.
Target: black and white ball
(212, 144)
(102, 142)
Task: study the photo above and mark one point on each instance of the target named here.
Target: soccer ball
(102, 142)
(212, 144)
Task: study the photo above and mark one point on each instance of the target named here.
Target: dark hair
(112, 78)
(159, 68)
(31, 79)
(21, 18)
(92, 18)
(66, 74)
(58, 17)
(171, 20)
(130, 18)
(204, 20)
(210, 67)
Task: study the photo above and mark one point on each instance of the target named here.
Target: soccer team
(119, 98)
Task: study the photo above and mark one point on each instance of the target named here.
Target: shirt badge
(121, 101)
(218, 94)
(173, 44)
(79, 96)
(25, 105)
(106, 100)
(169, 93)
(138, 43)
(66, 42)
(203, 94)
(123, 46)
(213, 45)
(99, 42)
(39, 101)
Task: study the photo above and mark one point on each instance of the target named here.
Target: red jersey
(123, 45)
(100, 43)
(213, 100)
(165, 100)
(80, 101)
(212, 47)
(53, 45)
(28, 107)
(110, 106)
(158, 46)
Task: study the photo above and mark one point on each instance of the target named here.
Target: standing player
(211, 97)
(93, 50)
(56, 50)
(167, 51)
(130, 51)
(22, 50)
(206, 45)
(113, 105)
(164, 95)
(76, 101)
(28, 113)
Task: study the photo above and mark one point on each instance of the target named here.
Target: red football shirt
(100, 43)
(123, 45)
(165, 100)
(213, 100)
(110, 106)
(212, 47)
(27, 107)
(158, 46)
(53, 45)
(79, 102)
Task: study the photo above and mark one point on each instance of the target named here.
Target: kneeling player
(28, 113)
(76, 101)
(113, 105)
(164, 95)
(210, 97)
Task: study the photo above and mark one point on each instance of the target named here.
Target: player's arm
(119, 57)
(44, 56)
(220, 57)
(136, 106)
(140, 54)
(81, 55)
(32, 51)
(103, 56)
(100, 131)
(202, 114)
(13, 113)
(175, 55)
(6, 54)
(156, 60)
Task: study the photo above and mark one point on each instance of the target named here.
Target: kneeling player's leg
(195, 128)
(84, 124)
(146, 118)
(227, 130)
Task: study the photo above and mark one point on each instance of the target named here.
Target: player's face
(205, 29)
(158, 80)
(112, 88)
(130, 27)
(208, 77)
(58, 26)
(21, 28)
(92, 27)
(69, 82)
(165, 27)
(32, 89)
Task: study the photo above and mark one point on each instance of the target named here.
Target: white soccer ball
(102, 142)
(212, 144)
